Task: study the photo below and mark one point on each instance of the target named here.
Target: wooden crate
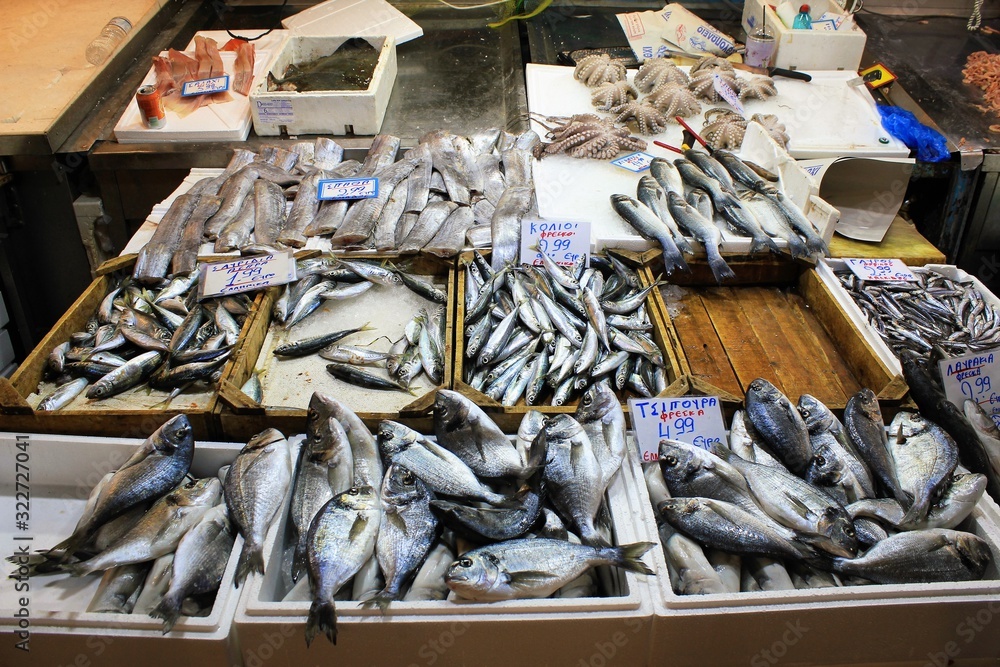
(240, 417)
(777, 321)
(509, 417)
(17, 415)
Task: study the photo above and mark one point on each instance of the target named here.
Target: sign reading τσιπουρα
(246, 274)
(216, 84)
(970, 377)
(565, 242)
(347, 188)
(883, 270)
(696, 420)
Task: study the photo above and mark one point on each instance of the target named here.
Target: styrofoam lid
(358, 18)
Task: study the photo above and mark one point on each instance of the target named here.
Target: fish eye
(353, 491)
(465, 562)
(804, 412)
(311, 413)
(670, 460)
(849, 531)
(820, 460)
(408, 479)
(587, 399)
(183, 431)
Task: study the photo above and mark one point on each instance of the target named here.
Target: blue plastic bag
(928, 142)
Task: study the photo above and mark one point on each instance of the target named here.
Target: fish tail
(367, 326)
(720, 269)
(251, 560)
(672, 258)
(627, 556)
(796, 247)
(683, 245)
(382, 599)
(322, 617)
(77, 569)
(169, 609)
(916, 513)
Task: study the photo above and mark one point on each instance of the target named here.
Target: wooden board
(902, 241)
(791, 335)
(240, 417)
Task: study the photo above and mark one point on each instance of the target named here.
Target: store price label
(971, 376)
(347, 188)
(216, 84)
(634, 162)
(564, 242)
(727, 93)
(246, 274)
(881, 270)
(696, 420)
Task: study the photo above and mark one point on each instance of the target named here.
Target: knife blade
(767, 71)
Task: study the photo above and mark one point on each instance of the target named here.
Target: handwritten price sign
(696, 420)
(727, 93)
(882, 270)
(348, 188)
(216, 84)
(971, 377)
(564, 242)
(246, 274)
(634, 162)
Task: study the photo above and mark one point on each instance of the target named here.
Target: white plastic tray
(229, 121)
(62, 471)
(551, 631)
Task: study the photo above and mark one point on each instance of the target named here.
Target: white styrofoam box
(875, 624)
(60, 471)
(364, 17)
(229, 121)
(6, 349)
(4, 318)
(326, 111)
(807, 49)
(551, 631)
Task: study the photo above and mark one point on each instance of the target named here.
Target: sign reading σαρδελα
(246, 274)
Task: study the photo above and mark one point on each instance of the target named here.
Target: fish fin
(322, 617)
(916, 513)
(367, 326)
(77, 569)
(800, 508)
(169, 610)
(528, 579)
(627, 557)
(252, 559)
(720, 269)
(357, 527)
(380, 600)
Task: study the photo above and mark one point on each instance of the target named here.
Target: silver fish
(924, 457)
(863, 420)
(775, 418)
(63, 395)
(921, 556)
(573, 475)
(650, 227)
(119, 589)
(465, 429)
(691, 573)
(692, 472)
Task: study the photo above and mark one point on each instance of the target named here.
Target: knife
(768, 71)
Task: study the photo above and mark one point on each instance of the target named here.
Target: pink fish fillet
(243, 74)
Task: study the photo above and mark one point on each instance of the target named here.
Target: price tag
(971, 377)
(727, 93)
(216, 84)
(696, 420)
(564, 242)
(634, 162)
(348, 188)
(246, 274)
(884, 270)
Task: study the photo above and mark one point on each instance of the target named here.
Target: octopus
(674, 100)
(774, 127)
(657, 72)
(757, 88)
(588, 136)
(599, 68)
(649, 118)
(609, 94)
(703, 83)
(711, 63)
(724, 129)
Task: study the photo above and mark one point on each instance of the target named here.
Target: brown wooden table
(902, 241)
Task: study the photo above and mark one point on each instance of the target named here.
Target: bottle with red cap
(802, 20)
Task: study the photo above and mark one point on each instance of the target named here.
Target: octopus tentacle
(757, 88)
(657, 72)
(599, 68)
(674, 100)
(609, 94)
(649, 119)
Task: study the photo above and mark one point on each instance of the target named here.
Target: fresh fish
(237, 231)
(62, 395)
(743, 221)
(819, 519)
(863, 420)
(692, 472)
(600, 414)
(156, 584)
(443, 472)
(742, 173)
(341, 540)
(119, 589)
(423, 288)
(777, 421)
(429, 582)
(515, 203)
(727, 566)
(765, 211)
(666, 174)
(921, 556)
(650, 227)
(769, 574)
(800, 223)
(696, 178)
(311, 491)
(534, 568)
(924, 458)
(252, 388)
(308, 302)
(957, 501)
(495, 524)
(704, 231)
(126, 376)
(465, 429)
(406, 533)
(198, 565)
(450, 237)
(721, 525)
(691, 573)
(573, 476)
(989, 435)
(307, 346)
(711, 167)
(430, 220)
(254, 490)
(291, 232)
(357, 376)
(159, 530)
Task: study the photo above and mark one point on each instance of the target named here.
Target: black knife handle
(789, 74)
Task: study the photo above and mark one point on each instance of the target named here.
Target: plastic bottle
(111, 36)
(786, 12)
(803, 21)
